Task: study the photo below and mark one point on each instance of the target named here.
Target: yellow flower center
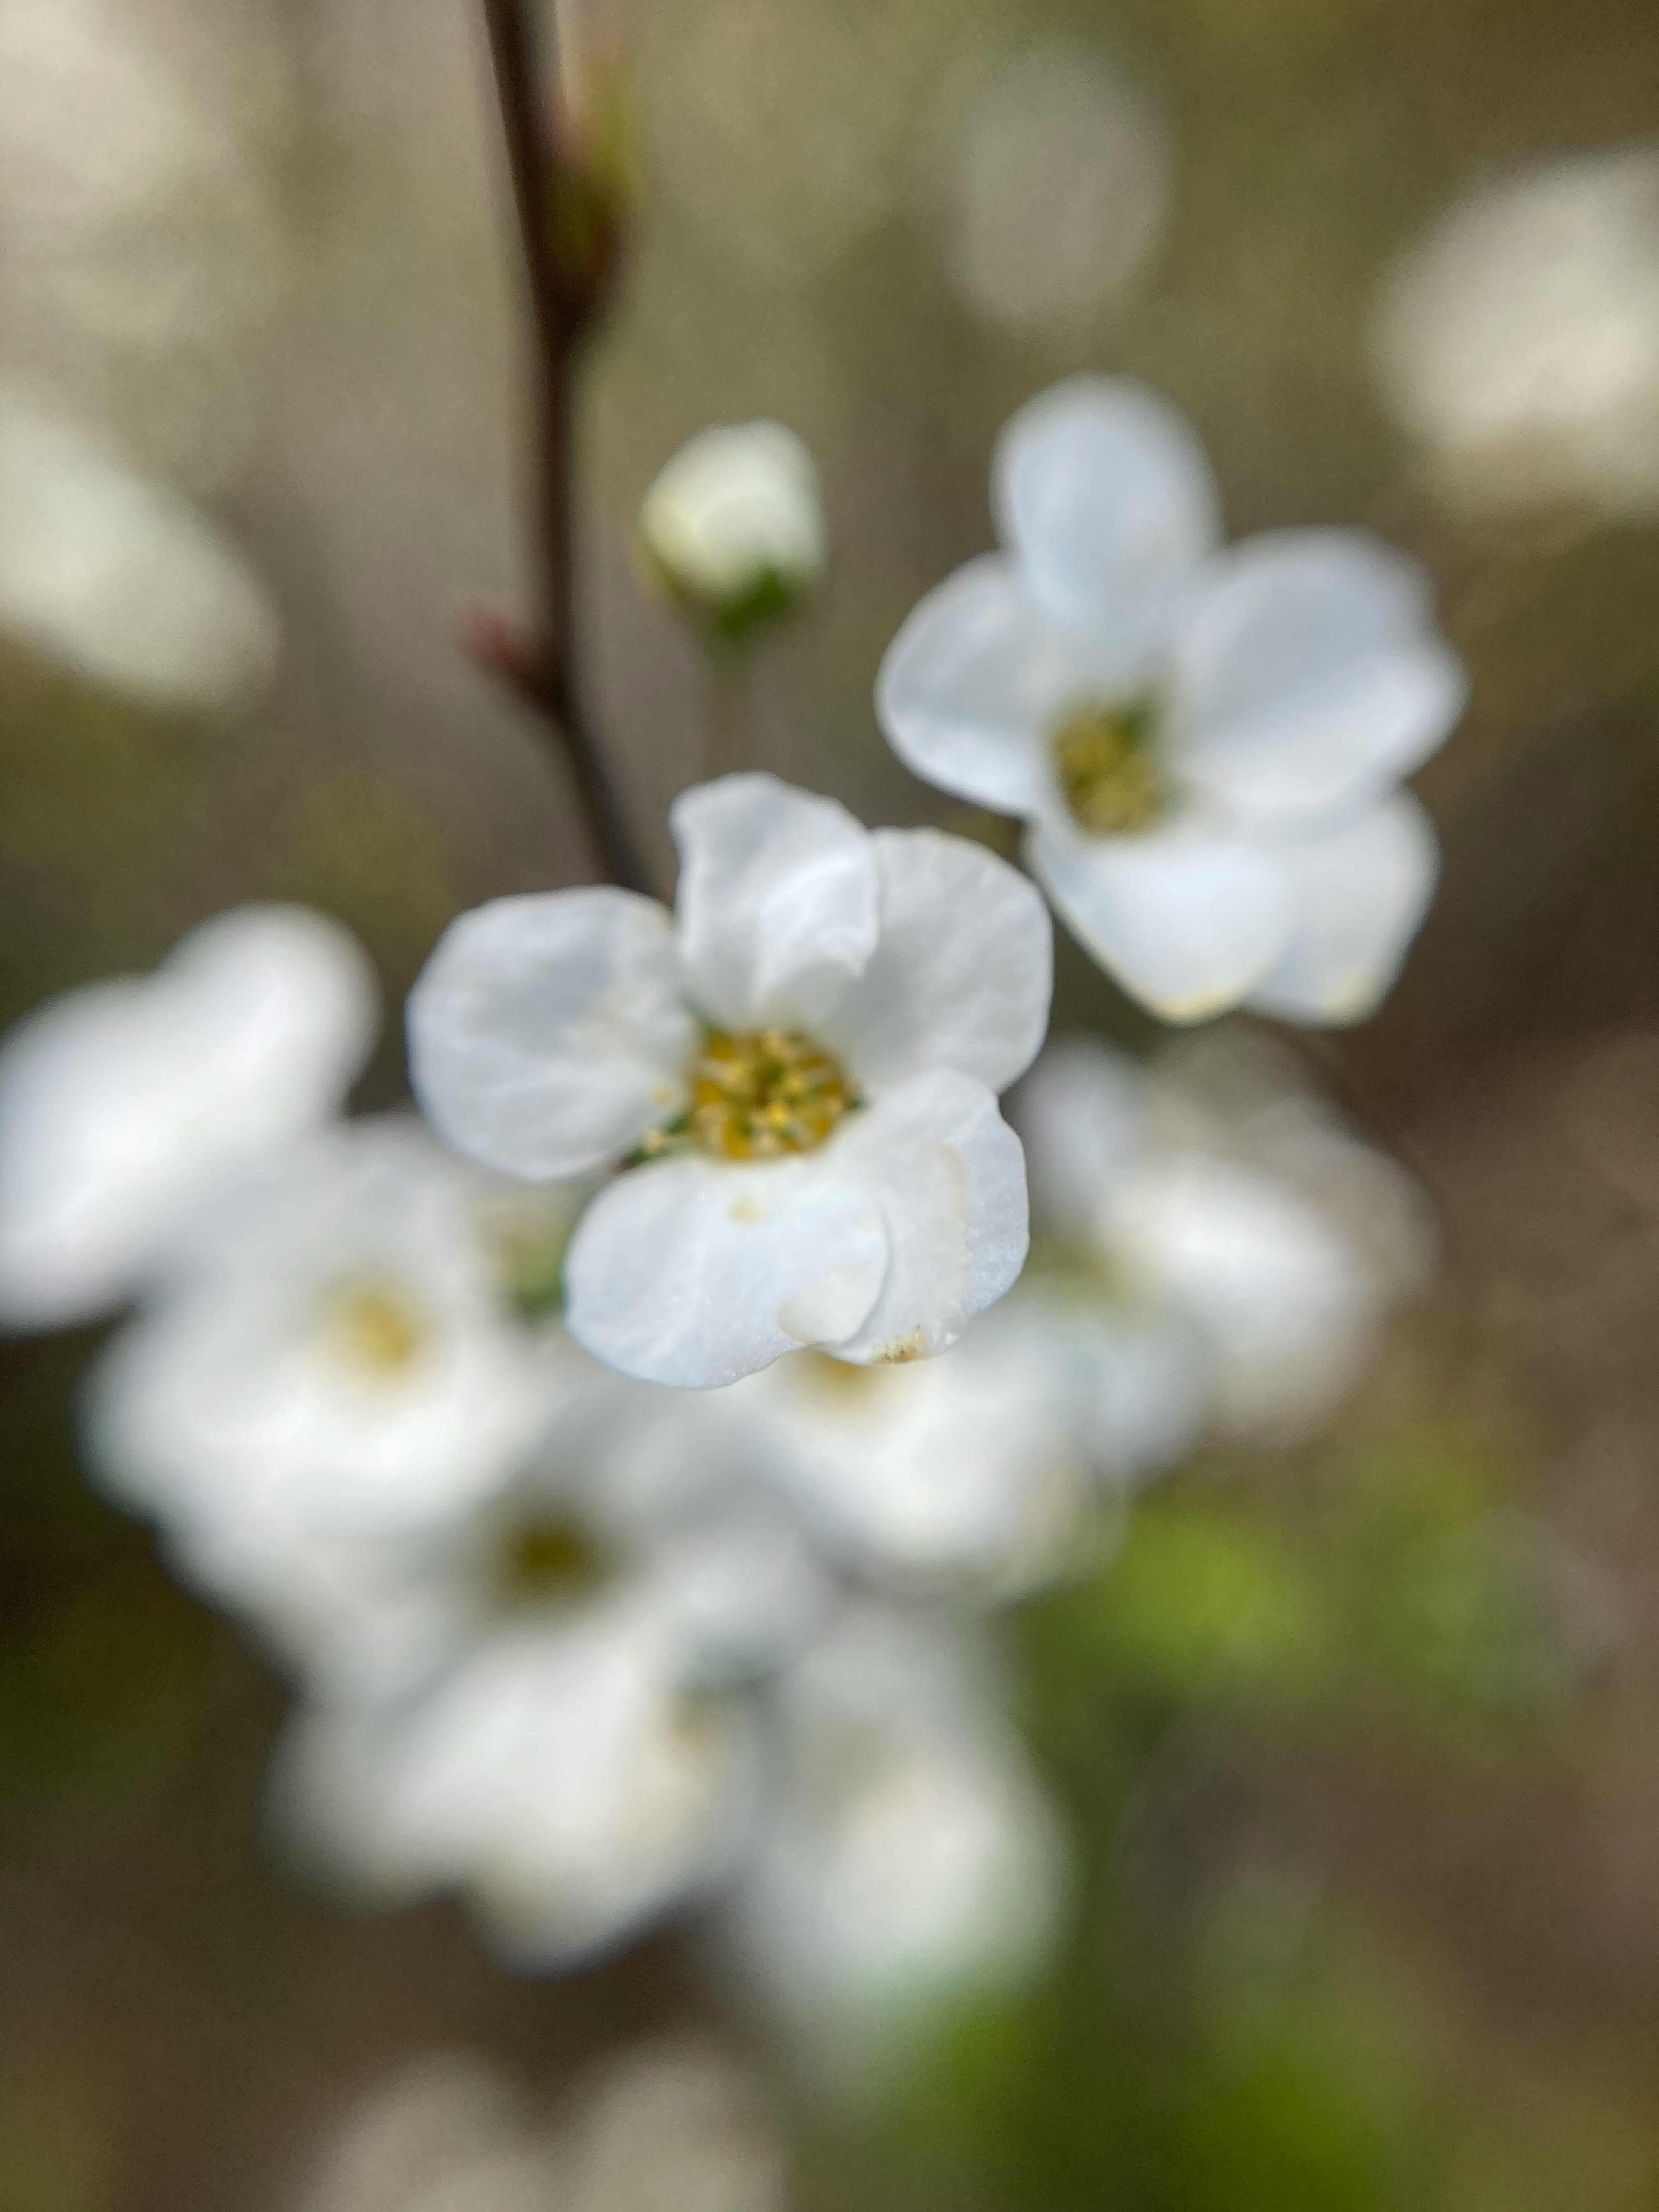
(377, 1330)
(550, 1561)
(1106, 760)
(759, 1097)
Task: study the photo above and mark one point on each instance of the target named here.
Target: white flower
(908, 1858)
(733, 526)
(1517, 339)
(1206, 741)
(119, 578)
(335, 1353)
(677, 2124)
(619, 1514)
(1059, 183)
(968, 1470)
(566, 1780)
(125, 1105)
(1217, 1199)
(797, 1071)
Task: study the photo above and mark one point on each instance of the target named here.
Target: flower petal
(1360, 895)
(1310, 676)
(548, 1034)
(777, 904)
(124, 1104)
(962, 973)
(970, 684)
(950, 1177)
(1188, 919)
(1285, 1304)
(694, 1273)
(1082, 1113)
(1103, 491)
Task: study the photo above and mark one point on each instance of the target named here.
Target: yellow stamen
(1107, 765)
(377, 1330)
(759, 1097)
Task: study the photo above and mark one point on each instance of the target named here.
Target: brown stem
(548, 680)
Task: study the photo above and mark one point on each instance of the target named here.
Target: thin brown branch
(549, 679)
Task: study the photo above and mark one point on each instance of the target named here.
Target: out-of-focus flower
(621, 1514)
(668, 2127)
(119, 579)
(786, 132)
(1517, 339)
(126, 1105)
(446, 2132)
(569, 1780)
(1217, 1198)
(908, 1859)
(675, 2127)
(141, 247)
(733, 527)
(335, 1353)
(1206, 741)
(1059, 187)
(969, 1471)
(797, 1074)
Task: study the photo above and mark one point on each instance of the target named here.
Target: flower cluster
(626, 1461)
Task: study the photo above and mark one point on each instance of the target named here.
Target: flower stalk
(546, 671)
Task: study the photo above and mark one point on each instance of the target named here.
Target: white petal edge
(949, 1175)
(547, 1034)
(1310, 676)
(122, 1103)
(1188, 919)
(694, 1273)
(1102, 490)
(962, 974)
(1360, 895)
(777, 908)
(971, 683)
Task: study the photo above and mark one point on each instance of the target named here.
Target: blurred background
(1361, 1743)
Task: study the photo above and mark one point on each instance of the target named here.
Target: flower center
(758, 1098)
(550, 1561)
(1106, 760)
(377, 1330)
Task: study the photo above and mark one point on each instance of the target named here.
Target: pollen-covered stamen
(759, 1097)
(376, 1330)
(1106, 762)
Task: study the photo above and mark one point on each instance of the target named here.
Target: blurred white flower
(907, 1858)
(1206, 741)
(798, 1072)
(445, 2135)
(1517, 339)
(1059, 183)
(1218, 1200)
(676, 2126)
(568, 1780)
(620, 1514)
(335, 1353)
(141, 246)
(968, 1472)
(119, 579)
(125, 1105)
(734, 527)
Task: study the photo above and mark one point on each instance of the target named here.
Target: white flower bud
(733, 526)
